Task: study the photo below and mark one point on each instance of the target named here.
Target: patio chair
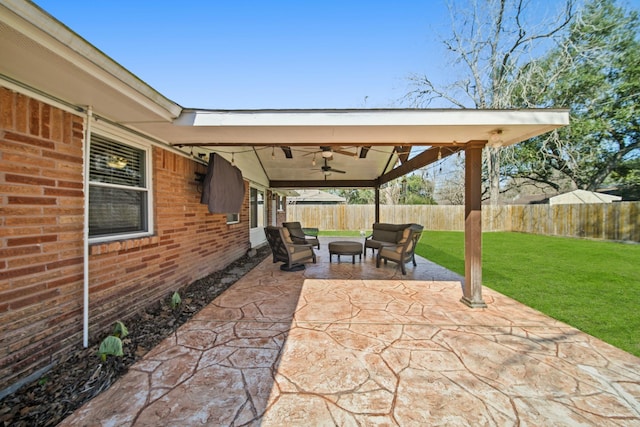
(300, 236)
(404, 251)
(284, 250)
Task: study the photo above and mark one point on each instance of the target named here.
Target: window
(256, 208)
(118, 190)
(233, 218)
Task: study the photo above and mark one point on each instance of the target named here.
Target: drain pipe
(85, 263)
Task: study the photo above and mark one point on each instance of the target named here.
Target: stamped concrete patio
(343, 344)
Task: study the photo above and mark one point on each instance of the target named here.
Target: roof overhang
(275, 148)
(371, 146)
(41, 53)
(365, 127)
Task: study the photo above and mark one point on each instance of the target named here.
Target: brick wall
(189, 243)
(41, 239)
(41, 211)
(281, 216)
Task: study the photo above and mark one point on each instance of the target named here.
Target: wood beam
(403, 152)
(337, 183)
(421, 160)
(287, 151)
(377, 202)
(363, 151)
(472, 290)
(405, 145)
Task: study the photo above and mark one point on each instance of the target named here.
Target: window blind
(115, 163)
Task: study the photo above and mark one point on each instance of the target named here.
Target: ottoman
(346, 248)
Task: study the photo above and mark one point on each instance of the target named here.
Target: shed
(582, 197)
(316, 197)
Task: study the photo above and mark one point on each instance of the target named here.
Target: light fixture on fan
(495, 138)
(117, 162)
(326, 152)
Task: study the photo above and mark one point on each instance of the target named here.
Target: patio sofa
(384, 234)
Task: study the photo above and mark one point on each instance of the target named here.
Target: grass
(593, 286)
(340, 233)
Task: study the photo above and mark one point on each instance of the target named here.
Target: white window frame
(122, 137)
(260, 222)
(233, 218)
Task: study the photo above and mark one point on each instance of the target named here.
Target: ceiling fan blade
(337, 170)
(345, 153)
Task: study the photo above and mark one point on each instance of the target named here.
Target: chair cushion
(286, 235)
(404, 236)
(385, 236)
(300, 254)
(391, 253)
(390, 233)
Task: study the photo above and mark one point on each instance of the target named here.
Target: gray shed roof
(581, 197)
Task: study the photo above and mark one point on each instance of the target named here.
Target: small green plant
(175, 300)
(112, 345)
(119, 330)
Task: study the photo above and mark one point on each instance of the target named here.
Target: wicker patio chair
(284, 250)
(404, 251)
(299, 236)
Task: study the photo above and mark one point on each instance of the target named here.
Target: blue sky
(238, 54)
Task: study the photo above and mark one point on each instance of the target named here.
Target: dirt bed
(81, 375)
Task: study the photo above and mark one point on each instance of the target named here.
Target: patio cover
(368, 145)
(372, 147)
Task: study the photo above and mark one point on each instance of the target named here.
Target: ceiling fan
(327, 170)
(327, 152)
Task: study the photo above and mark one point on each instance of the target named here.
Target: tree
(356, 196)
(414, 189)
(451, 190)
(418, 190)
(596, 72)
(490, 41)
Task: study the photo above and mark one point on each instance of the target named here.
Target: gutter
(85, 231)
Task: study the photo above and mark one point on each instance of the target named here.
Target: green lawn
(340, 233)
(591, 285)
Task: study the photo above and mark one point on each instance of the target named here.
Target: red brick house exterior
(41, 238)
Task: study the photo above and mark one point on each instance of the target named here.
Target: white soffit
(395, 127)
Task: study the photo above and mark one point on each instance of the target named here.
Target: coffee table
(346, 248)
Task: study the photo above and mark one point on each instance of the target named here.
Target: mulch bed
(81, 375)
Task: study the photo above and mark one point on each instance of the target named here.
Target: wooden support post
(472, 291)
(377, 201)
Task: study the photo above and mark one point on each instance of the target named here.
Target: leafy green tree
(595, 72)
(418, 190)
(414, 189)
(356, 196)
(626, 177)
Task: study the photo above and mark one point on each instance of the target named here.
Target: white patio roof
(273, 147)
(283, 143)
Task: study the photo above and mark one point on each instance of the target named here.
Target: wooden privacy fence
(609, 221)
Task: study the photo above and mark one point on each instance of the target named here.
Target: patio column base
(473, 304)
